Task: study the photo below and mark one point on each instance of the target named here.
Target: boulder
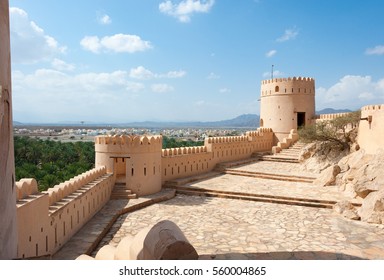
(328, 176)
(346, 209)
(372, 208)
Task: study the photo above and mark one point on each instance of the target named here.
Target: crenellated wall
(46, 220)
(328, 117)
(185, 162)
(371, 128)
(287, 103)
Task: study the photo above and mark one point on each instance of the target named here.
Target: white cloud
(105, 20)
(51, 95)
(351, 92)
(116, 43)
(61, 65)
(161, 88)
(213, 76)
(271, 53)
(378, 50)
(224, 90)
(175, 74)
(29, 42)
(289, 34)
(184, 9)
(142, 73)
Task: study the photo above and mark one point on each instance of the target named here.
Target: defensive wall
(185, 162)
(371, 131)
(144, 166)
(47, 220)
(286, 103)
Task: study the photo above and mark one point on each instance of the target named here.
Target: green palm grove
(51, 162)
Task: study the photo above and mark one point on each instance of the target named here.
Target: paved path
(237, 229)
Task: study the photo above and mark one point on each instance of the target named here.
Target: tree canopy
(340, 132)
(51, 162)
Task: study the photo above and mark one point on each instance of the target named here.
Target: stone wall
(46, 220)
(185, 162)
(371, 128)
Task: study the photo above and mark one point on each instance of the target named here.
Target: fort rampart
(46, 220)
(185, 162)
(371, 132)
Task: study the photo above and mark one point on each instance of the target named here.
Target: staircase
(286, 155)
(121, 191)
(316, 203)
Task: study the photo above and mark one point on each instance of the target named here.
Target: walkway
(220, 227)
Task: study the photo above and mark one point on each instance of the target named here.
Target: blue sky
(188, 60)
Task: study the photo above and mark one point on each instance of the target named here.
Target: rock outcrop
(358, 174)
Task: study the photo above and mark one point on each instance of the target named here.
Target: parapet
(25, 188)
(62, 190)
(289, 79)
(183, 151)
(331, 116)
(373, 107)
(127, 143)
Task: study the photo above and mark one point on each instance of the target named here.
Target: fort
(38, 224)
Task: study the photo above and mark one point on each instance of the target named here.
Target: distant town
(66, 133)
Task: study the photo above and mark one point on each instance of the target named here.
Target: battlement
(183, 151)
(129, 140)
(373, 107)
(125, 144)
(289, 79)
(287, 86)
(62, 190)
(26, 188)
(330, 116)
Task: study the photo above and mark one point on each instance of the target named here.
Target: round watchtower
(134, 160)
(287, 103)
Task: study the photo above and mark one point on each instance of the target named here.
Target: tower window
(276, 88)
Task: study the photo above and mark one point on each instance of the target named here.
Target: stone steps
(279, 159)
(286, 155)
(281, 177)
(120, 191)
(256, 197)
(187, 180)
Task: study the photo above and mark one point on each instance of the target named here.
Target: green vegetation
(339, 132)
(174, 143)
(51, 162)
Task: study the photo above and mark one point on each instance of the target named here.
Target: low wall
(48, 219)
(371, 128)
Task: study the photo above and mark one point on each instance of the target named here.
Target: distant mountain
(247, 120)
(332, 111)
